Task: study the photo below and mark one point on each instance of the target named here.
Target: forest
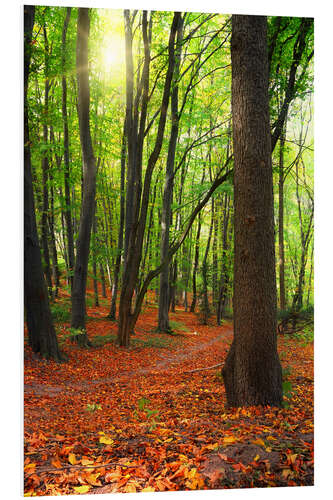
(168, 251)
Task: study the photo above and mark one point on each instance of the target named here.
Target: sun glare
(113, 54)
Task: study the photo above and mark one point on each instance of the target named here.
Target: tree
(164, 292)
(89, 181)
(41, 332)
(252, 372)
(68, 215)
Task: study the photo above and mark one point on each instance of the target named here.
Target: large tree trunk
(252, 372)
(89, 182)
(68, 215)
(42, 336)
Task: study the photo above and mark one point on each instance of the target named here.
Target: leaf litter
(117, 420)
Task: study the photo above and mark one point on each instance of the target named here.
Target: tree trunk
(137, 199)
(224, 280)
(281, 227)
(163, 306)
(41, 332)
(205, 302)
(45, 171)
(116, 274)
(68, 215)
(252, 373)
(101, 272)
(89, 183)
(95, 262)
(195, 267)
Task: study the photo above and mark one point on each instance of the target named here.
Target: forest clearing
(168, 251)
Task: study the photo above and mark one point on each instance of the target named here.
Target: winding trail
(176, 357)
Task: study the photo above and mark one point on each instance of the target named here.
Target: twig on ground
(205, 368)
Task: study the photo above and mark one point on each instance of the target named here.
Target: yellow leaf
(271, 438)
(259, 441)
(106, 440)
(72, 459)
(292, 458)
(256, 458)
(92, 479)
(130, 488)
(29, 467)
(86, 461)
(182, 457)
(148, 489)
(286, 473)
(212, 446)
(82, 489)
(229, 440)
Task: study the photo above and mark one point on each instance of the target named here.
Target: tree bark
(137, 198)
(281, 227)
(89, 181)
(252, 372)
(205, 302)
(68, 214)
(116, 274)
(41, 332)
(163, 306)
(45, 172)
(95, 261)
(224, 279)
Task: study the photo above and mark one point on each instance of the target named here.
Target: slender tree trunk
(163, 307)
(137, 198)
(224, 280)
(116, 274)
(89, 172)
(55, 268)
(205, 301)
(95, 262)
(281, 227)
(252, 373)
(68, 214)
(45, 171)
(173, 284)
(41, 332)
(195, 266)
(214, 258)
(101, 272)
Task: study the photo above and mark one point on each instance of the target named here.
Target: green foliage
(101, 340)
(151, 415)
(60, 312)
(178, 326)
(93, 407)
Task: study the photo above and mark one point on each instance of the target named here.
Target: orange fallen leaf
(72, 459)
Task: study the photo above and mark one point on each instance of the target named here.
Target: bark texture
(89, 180)
(68, 215)
(252, 372)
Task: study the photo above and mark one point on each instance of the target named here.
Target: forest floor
(140, 419)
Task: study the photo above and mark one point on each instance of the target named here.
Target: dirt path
(183, 353)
